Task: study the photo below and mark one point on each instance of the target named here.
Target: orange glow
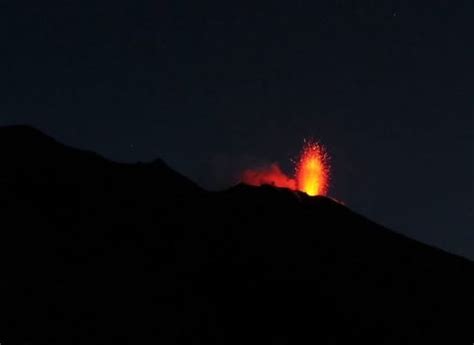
(269, 175)
(311, 172)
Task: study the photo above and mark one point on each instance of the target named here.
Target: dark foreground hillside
(96, 252)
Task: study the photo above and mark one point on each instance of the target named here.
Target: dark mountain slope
(95, 252)
(27, 151)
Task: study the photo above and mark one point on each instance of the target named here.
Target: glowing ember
(311, 172)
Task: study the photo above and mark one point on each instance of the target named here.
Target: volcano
(98, 252)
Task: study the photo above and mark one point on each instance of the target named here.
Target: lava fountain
(311, 172)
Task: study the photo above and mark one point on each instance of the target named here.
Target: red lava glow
(270, 175)
(311, 172)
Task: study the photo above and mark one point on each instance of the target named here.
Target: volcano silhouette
(98, 252)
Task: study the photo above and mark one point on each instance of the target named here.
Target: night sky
(214, 88)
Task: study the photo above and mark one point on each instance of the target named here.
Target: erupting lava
(311, 172)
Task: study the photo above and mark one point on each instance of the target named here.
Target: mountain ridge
(97, 252)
